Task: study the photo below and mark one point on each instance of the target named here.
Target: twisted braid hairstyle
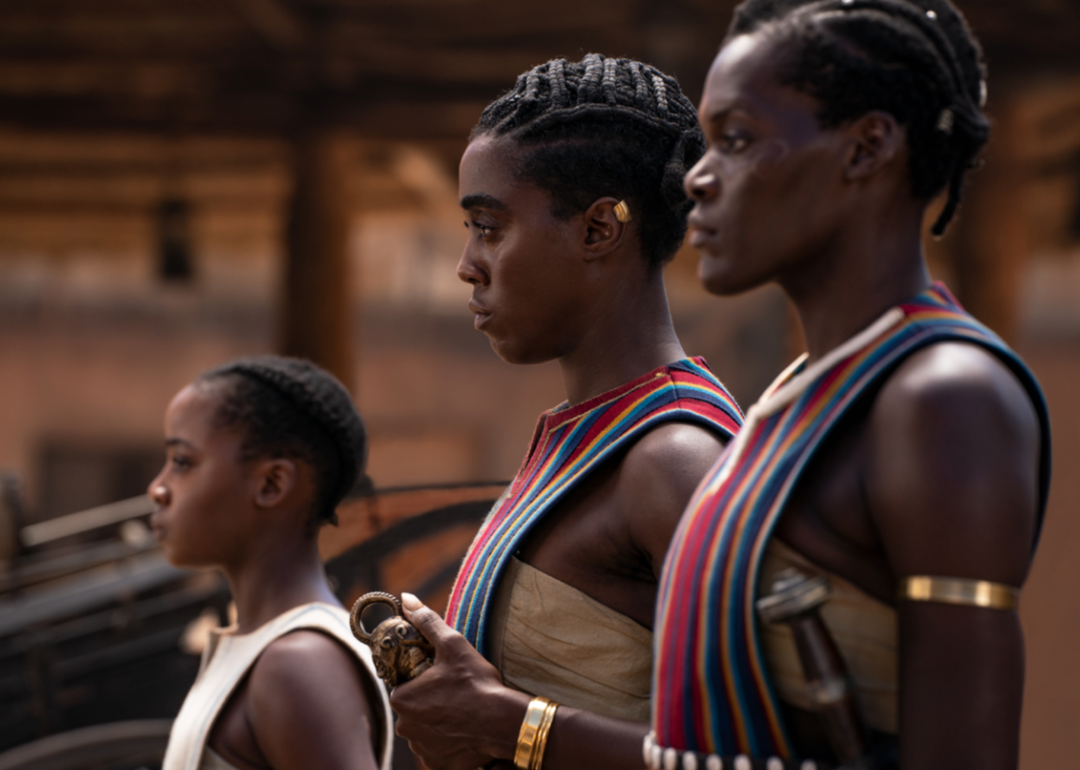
(287, 407)
(602, 127)
(914, 59)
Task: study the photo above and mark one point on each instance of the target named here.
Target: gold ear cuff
(970, 593)
(622, 212)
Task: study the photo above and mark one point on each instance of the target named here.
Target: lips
(698, 238)
(156, 526)
(703, 238)
(482, 314)
(697, 223)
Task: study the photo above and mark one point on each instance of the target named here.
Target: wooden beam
(443, 116)
(315, 318)
(276, 23)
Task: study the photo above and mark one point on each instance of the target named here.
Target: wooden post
(990, 242)
(316, 319)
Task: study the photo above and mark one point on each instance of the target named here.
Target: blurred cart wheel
(114, 746)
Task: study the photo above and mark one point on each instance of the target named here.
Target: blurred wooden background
(184, 181)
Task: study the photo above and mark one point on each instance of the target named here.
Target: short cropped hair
(288, 407)
(914, 59)
(605, 127)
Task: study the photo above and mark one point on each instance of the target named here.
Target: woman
(259, 453)
(906, 457)
(571, 187)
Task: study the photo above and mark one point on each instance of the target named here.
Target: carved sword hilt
(398, 650)
(795, 599)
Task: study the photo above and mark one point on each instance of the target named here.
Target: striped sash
(569, 443)
(711, 690)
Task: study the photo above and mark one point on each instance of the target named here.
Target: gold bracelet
(971, 593)
(527, 736)
(542, 736)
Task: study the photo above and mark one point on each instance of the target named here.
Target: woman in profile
(259, 452)
(572, 193)
(906, 457)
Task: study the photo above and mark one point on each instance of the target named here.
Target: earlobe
(276, 479)
(877, 139)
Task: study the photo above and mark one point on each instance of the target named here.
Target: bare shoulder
(670, 459)
(297, 657)
(952, 475)
(310, 704)
(658, 476)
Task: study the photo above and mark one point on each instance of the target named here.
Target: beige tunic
(550, 639)
(864, 629)
(227, 659)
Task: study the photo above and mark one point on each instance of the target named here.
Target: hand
(457, 715)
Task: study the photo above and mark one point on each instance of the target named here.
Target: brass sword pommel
(400, 652)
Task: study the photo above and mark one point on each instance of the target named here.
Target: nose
(700, 183)
(469, 271)
(158, 493)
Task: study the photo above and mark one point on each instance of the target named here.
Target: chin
(517, 354)
(719, 280)
(178, 558)
(174, 558)
(726, 276)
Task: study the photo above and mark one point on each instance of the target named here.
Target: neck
(629, 335)
(846, 288)
(276, 578)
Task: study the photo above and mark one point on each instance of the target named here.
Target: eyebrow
(171, 442)
(482, 201)
(719, 114)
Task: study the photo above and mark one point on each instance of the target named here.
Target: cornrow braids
(601, 127)
(287, 407)
(915, 59)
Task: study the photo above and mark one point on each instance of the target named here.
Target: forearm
(577, 740)
(962, 679)
(582, 740)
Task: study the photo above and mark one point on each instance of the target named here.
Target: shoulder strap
(712, 691)
(570, 444)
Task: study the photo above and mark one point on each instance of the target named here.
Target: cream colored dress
(227, 659)
(864, 629)
(550, 639)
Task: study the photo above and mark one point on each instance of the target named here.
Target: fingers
(428, 622)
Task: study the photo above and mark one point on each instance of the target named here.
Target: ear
(603, 230)
(876, 140)
(275, 480)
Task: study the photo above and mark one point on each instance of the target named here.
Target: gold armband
(971, 593)
(532, 738)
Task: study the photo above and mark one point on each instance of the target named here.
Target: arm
(952, 489)
(309, 706)
(459, 715)
(658, 478)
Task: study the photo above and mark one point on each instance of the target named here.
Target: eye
(386, 644)
(180, 462)
(482, 230)
(733, 141)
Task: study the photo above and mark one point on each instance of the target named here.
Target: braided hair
(287, 407)
(602, 127)
(915, 59)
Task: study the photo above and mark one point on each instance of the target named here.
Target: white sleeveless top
(227, 659)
